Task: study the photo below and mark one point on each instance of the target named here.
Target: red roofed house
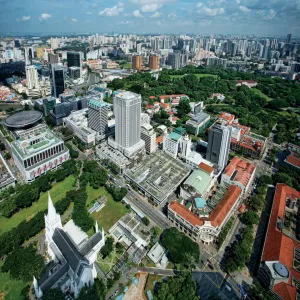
(293, 161)
(280, 263)
(249, 83)
(227, 117)
(174, 99)
(206, 227)
(239, 172)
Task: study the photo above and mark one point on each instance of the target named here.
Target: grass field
(111, 212)
(10, 289)
(57, 192)
(260, 93)
(107, 263)
(150, 280)
(127, 66)
(197, 75)
(93, 194)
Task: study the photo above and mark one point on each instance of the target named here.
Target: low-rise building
(7, 178)
(293, 160)
(158, 256)
(202, 220)
(197, 123)
(35, 155)
(198, 183)
(174, 99)
(239, 172)
(249, 83)
(279, 268)
(78, 122)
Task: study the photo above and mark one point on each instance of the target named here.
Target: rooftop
(199, 180)
(186, 213)
(174, 136)
(278, 246)
(158, 174)
(28, 146)
(23, 119)
(227, 116)
(293, 160)
(200, 202)
(206, 168)
(240, 170)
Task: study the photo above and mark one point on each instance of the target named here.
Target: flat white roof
(75, 232)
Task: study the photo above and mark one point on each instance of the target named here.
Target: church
(72, 255)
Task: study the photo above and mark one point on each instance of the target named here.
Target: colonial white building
(34, 155)
(72, 255)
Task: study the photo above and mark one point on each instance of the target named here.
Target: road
(154, 214)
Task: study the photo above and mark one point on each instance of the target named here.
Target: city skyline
(167, 16)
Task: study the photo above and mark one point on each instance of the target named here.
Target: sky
(259, 17)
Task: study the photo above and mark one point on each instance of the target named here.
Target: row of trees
(25, 195)
(27, 229)
(117, 193)
(237, 255)
(93, 175)
(180, 287)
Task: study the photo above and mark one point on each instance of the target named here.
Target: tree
(2, 147)
(7, 155)
(180, 248)
(54, 294)
(96, 291)
(146, 221)
(108, 247)
(250, 218)
(23, 263)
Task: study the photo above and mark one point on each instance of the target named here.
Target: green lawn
(261, 94)
(111, 212)
(197, 75)
(57, 192)
(127, 66)
(109, 261)
(10, 289)
(93, 194)
(150, 281)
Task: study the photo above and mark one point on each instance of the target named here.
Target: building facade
(218, 145)
(136, 62)
(35, 155)
(58, 79)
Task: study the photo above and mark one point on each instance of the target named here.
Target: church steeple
(52, 215)
(37, 289)
(96, 227)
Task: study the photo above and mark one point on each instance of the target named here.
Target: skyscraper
(54, 43)
(58, 79)
(127, 110)
(218, 145)
(266, 49)
(288, 38)
(29, 54)
(74, 60)
(32, 77)
(98, 117)
(136, 62)
(154, 62)
(174, 60)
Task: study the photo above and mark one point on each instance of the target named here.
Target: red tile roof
(159, 140)
(206, 167)
(226, 203)
(227, 117)
(152, 97)
(149, 106)
(164, 105)
(293, 160)
(244, 170)
(186, 214)
(278, 246)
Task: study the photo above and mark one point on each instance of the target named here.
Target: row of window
(42, 156)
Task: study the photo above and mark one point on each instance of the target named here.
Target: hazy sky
(260, 17)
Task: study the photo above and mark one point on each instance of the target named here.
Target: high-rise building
(58, 79)
(136, 62)
(218, 145)
(289, 38)
(148, 135)
(234, 49)
(54, 43)
(127, 110)
(53, 58)
(154, 62)
(98, 117)
(29, 55)
(32, 77)
(73, 59)
(174, 60)
(40, 51)
(266, 49)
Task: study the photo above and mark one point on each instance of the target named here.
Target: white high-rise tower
(52, 221)
(127, 110)
(32, 77)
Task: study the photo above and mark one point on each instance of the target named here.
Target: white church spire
(96, 227)
(37, 289)
(52, 216)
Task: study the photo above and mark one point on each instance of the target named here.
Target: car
(211, 266)
(228, 288)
